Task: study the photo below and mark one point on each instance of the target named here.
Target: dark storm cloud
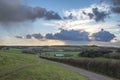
(103, 36)
(98, 15)
(69, 35)
(15, 11)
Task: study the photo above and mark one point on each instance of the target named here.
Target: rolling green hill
(15, 65)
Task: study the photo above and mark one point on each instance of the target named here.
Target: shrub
(113, 55)
(118, 50)
(28, 51)
(94, 52)
(109, 68)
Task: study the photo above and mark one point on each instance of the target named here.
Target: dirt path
(88, 74)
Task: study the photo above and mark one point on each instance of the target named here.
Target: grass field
(17, 66)
(75, 56)
(51, 54)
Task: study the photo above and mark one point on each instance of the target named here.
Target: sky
(37, 22)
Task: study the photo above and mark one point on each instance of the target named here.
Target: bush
(68, 55)
(110, 68)
(94, 53)
(118, 50)
(32, 50)
(28, 51)
(112, 55)
(4, 48)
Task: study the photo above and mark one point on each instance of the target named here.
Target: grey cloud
(98, 15)
(20, 37)
(52, 15)
(103, 36)
(69, 17)
(50, 36)
(115, 2)
(84, 13)
(28, 36)
(90, 15)
(37, 36)
(115, 7)
(15, 11)
(73, 35)
(69, 35)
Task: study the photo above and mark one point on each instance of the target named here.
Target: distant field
(51, 54)
(15, 65)
(75, 56)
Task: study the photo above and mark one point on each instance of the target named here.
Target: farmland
(101, 60)
(14, 65)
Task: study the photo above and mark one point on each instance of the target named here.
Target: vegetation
(66, 54)
(14, 65)
(106, 53)
(112, 55)
(94, 52)
(109, 68)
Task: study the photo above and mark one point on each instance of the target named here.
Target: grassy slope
(17, 66)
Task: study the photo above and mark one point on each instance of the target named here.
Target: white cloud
(79, 15)
(82, 22)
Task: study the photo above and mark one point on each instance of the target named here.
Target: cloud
(15, 11)
(50, 36)
(115, 2)
(103, 36)
(90, 15)
(37, 36)
(69, 17)
(98, 15)
(74, 35)
(30, 36)
(95, 12)
(19, 37)
(52, 15)
(115, 7)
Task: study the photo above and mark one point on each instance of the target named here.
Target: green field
(75, 56)
(15, 65)
(51, 54)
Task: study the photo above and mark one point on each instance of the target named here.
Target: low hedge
(109, 68)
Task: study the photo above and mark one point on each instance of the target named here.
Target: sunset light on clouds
(59, 22)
